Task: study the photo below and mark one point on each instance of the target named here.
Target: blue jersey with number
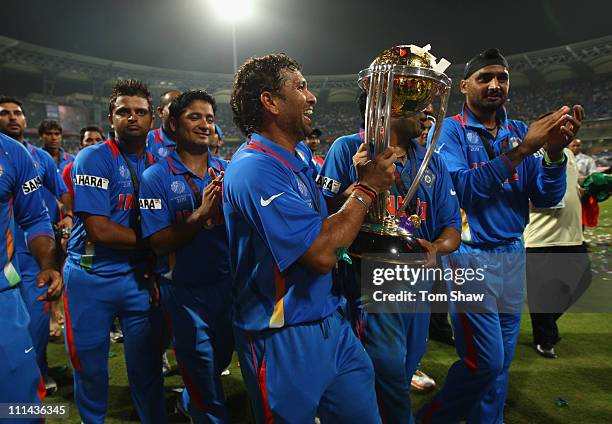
(167, 199)
(103, 186)
(19, 198)
(159, 144)
(274, 212)
(52, 188)
(494, 195)
(337, 172)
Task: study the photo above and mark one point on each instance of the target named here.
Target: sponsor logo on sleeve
(328, 184)
(91, 181)
(154, 204)
(31, 185)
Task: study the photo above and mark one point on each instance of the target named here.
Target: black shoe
(546, 350)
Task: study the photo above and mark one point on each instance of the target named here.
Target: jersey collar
(468, 119)
(177, 166)
(288, 159)
(419, 153)
(163, 137)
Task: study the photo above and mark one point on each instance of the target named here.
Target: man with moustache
(50, 133)
(496, 174)
(181, 217)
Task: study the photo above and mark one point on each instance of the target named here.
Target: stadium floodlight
(233, 10)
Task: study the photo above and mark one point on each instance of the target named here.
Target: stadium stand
(73, 89)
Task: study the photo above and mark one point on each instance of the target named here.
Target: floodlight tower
(233, 11)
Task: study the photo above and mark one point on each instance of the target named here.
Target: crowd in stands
(525, 103)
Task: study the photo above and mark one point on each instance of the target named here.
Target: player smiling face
(131, 117)
(487, 88)
(195, 126)
(295, 115)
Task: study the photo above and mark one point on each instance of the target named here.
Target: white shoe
(116, 336)
(225, 372)
(166, 368)
(422, 381)
(50, 384)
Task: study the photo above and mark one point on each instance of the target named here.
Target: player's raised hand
(553, 130)
(564, 130)
(54, 282)
(379, 173)
(211, 196)
(360, 158)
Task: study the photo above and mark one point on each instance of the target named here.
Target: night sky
(326, 36)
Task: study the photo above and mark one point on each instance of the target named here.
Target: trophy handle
(445, 87)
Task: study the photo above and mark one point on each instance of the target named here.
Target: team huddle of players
(215, 257)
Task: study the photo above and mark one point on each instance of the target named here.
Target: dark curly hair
(47, 125)
(182, 102)
(256, 75)
(129, 87)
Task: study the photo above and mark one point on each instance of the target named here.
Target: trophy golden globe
(401, 81)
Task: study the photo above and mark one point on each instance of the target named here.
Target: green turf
(581, 376)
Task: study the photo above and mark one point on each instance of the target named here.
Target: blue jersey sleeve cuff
(298, 251)
(39, 230)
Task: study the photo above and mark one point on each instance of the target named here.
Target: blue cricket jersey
(52, 188)
(159, 144)
(304, 152)
(65, 159)
(19, 197)
(493, 194)
(336, 173)
(274, 212)
(103, 186)
(435, 201)
(166, 199)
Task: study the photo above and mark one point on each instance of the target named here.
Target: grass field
(575, 388)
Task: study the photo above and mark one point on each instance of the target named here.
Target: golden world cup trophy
(402, 80)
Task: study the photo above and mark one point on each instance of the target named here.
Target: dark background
(326, 36)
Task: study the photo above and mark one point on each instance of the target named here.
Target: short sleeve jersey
(274, 212)
(159, 144)
(167, 198)
(494, 195)
(103, 186)
(52, 188)
(21, 203)
(337, 172)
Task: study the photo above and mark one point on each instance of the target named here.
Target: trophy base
(387, 243)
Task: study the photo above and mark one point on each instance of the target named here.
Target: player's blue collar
(419, 151)
(162, 136)
(176, 165)
(467, 119)
(293, 162)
